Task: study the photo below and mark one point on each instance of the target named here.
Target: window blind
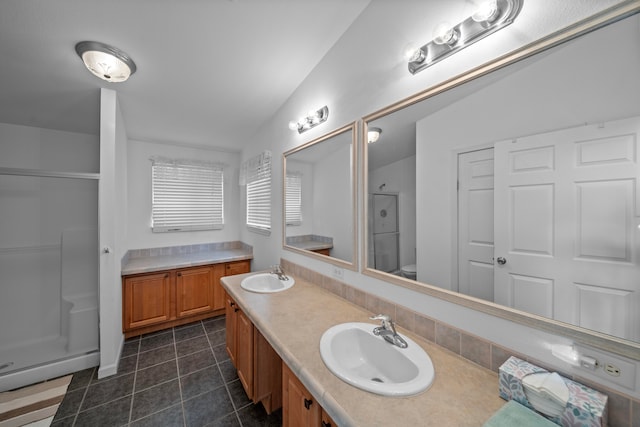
(293, 199)
(187, 196)
(258, 182)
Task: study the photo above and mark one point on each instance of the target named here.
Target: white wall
(139, 195)
(332, 201)
(113, 229)
(365, 72)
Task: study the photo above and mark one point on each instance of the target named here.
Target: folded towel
(514, 414)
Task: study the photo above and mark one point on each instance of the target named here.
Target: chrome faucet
(277, 270)
(388, 331)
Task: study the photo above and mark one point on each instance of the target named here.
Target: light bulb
(106, 66)
(487, 12)
(293, 125)
(444, 33)
(373, 134)
(413, 53)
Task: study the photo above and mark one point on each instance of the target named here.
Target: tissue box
(586, 407)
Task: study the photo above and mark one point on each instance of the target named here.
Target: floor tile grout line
(175, 347)
(224, 382)
(84, 395)
(135, 375)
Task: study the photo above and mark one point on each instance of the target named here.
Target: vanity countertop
(150, 264)
(462, 393)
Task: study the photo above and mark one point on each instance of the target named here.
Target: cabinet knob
(307, 403)
(326, 424)
(166, 275)
(179, 274)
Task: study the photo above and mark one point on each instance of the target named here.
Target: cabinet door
(244, 352)
(194, 291)
(231, 322)
(217, 272)
(267, 373)
(299, 409)
(327, 421)
(237, 267)
(146, 300)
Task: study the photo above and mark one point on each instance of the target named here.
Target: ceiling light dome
(106, 62)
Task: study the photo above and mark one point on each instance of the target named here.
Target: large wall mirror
(514, 189)
(319, 198)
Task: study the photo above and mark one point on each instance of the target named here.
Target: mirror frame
(353, 265)
(578, 334)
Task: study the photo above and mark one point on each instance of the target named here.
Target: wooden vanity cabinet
(194, 291)
(147, 300)
(163, 299)
(326, 252)
(299, 408)
(258, 365)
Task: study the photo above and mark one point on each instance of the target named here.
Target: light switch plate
(616, 369)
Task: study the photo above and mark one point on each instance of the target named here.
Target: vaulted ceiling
(210, 72)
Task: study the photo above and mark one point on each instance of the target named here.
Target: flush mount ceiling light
(106, 62)
(313, 119)
(491, 16)
(373, 134)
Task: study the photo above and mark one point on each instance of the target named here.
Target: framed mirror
(319, 201)
(513, 189)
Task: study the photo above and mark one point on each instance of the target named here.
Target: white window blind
(256, 173)
(293, 199)
(187, 195)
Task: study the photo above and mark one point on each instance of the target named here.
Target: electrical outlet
(338, 273)
(615, 369)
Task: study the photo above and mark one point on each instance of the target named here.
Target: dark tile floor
(177, 377)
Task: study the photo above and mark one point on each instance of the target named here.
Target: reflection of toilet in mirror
(408, 271)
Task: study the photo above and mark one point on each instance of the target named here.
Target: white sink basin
(354, 354)
(265, 283)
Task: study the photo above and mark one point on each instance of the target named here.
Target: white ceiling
(210, 72)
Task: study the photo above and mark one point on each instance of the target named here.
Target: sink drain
(5, 365)
(376, 379)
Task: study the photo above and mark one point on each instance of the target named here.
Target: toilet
(409, 271)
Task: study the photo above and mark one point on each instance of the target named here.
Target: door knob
(501, 260)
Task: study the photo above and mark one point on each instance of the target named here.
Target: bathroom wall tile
(425, 327)
(379, 306)
(405, 318)
(476, 350)
(635, 413)
(334, 286)
(499, 355)
(355, 296)
(448, 337)
(619, 410)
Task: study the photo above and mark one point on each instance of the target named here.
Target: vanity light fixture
(491, 16)
(312, 119)
(106, 62)
(373, 134)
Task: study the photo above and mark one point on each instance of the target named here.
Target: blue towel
(514, 414)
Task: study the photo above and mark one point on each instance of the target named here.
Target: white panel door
(475, 223)
(566, 223)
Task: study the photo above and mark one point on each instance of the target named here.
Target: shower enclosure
(384, 232)
(49, 271)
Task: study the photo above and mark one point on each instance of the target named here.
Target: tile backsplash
(624, 411)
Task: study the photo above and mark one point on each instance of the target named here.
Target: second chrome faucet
(388, 331)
